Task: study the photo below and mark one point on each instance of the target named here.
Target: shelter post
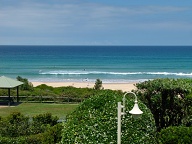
(17, 93)
(9, 99)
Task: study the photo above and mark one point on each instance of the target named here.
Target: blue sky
(95, 22)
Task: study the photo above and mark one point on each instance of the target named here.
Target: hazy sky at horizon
(96, 22)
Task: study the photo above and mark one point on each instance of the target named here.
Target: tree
(168, 100)
(98, 84)
(95, 121)
(26, 84)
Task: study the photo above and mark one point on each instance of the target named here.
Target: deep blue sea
(108, 63)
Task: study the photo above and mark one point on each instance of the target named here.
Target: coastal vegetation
(166, 103)
(95, 121)
(20, 129)
(26, 84)
(169, 100)
(98, 84)
(44, 93)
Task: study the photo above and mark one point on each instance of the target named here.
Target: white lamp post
(136, 112)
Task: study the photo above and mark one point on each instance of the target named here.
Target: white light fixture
(136, 112)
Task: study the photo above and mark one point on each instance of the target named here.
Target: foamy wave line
(84, 73)
(168, 73)
(112, 73)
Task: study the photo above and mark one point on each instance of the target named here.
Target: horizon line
(91, 45)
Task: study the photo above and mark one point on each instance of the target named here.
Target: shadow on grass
(4, 104)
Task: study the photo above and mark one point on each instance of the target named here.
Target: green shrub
(26, 84)
(14, 140)
(168, 100)
(187, 120)
(98, 84)
(45, 87)
(41, 122)
(95, 121)
(14, 125)
(19, 129)
(176, 135)
(33, 139)
(46, 118)
(53, 134)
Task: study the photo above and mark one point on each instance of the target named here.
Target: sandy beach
(112, 86)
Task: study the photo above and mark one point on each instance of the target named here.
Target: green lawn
(31, 109)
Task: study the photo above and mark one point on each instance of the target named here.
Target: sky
(96, 22)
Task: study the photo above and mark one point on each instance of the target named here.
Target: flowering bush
(95, 121)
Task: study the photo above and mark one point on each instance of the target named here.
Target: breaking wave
(114, 73)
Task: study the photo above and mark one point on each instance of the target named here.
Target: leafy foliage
(26, 84)
(58, 94)
(44, 90)
(51, 136)
(16, 124)
(19, 129)
(41, 122)
(46, 118)
(168, 100)
(95, 121)
(98, 84)
(176, 135)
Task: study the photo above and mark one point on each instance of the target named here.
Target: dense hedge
(176, 135)
(95, 121)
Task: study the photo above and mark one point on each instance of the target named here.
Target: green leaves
(26, 84)
(167, 99)
(176, 135)
(95, 121)
(98, 84)
(16, 124)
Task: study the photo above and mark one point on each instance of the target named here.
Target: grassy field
(31, 109)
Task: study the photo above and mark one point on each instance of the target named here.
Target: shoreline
(113, 86)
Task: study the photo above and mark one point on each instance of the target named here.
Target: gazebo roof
(6, 82)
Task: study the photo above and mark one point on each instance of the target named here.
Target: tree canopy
(168, 99)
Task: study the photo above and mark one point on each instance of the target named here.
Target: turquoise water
(108, 63)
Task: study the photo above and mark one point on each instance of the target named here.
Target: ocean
(111, 64)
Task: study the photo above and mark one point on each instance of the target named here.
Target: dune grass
(31, 109)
